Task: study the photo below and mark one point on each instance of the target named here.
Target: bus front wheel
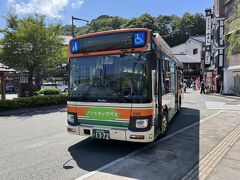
(164, 123)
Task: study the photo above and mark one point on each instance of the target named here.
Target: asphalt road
(35, 145)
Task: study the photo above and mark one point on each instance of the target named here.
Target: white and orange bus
(123, 85)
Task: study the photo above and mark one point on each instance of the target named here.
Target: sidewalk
(214, 94)
(229, 167)
(209, 150)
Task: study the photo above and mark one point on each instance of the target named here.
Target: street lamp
(74, 18)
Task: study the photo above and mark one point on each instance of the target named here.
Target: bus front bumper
(114, 133)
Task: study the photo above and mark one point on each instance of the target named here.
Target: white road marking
(141, 149)
(221, 105)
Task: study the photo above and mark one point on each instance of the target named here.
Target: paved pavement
(35, 145)
(208, 149)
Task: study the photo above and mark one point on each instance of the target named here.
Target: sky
(62, 10)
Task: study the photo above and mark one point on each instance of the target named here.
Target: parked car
(61, 87)
(10, 89)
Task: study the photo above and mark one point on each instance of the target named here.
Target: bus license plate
(101, 134)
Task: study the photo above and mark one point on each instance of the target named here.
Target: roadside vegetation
(33, 101)
(29, 45)
(48, 91)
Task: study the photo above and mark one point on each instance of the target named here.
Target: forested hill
(174, 29)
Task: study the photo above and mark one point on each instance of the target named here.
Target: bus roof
(158, 40)
(133, 48)
(111, 31)
(166, 49)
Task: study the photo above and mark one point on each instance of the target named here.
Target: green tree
(105, 22)
(67, 30)
(174, 29)
(30, 45)
(168, 28)
(233, 25)
(144, 21)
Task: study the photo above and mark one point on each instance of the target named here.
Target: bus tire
(164, 124)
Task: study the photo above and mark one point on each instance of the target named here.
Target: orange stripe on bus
(81, 111)
(71, 109)
(123, 113)
(142, 112)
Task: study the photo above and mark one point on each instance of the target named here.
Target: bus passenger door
(154, 93)
(157, 96)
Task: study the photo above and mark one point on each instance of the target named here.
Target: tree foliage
(233, 25)
(105, 22)
(30, 45)
(144, 21)
(174, 29)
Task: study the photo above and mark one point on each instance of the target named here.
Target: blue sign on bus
(139, 39)
(74, 46)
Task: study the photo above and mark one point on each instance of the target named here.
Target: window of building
(195, 51)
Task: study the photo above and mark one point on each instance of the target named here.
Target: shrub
(33, 101)
(49, 91)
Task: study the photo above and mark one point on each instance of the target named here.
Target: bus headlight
(141, 123)
(71, 118)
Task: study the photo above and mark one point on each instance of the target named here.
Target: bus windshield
(110, 78)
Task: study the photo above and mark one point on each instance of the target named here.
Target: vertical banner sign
(208, 36)
(221, 58)
(221, 32)
(208, 58)
(218, 42)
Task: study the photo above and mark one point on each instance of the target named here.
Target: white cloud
(77, 3)
(51, 8)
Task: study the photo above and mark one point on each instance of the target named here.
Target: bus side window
(167, 77)
(163, 78)
(172, 76)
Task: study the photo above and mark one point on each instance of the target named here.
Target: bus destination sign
(108, 42)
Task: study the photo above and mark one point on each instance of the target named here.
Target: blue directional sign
(139, 39)
(74, 46)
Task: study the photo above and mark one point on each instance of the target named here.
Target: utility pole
(74, 18)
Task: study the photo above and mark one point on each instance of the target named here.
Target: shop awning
(184, 58)
(4, 68)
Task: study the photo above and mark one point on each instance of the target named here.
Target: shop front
(232, 80)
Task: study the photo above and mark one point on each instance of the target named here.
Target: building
(66, 40)
(230, 70)
(191, 54)
(14, 80)
(3, 79)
